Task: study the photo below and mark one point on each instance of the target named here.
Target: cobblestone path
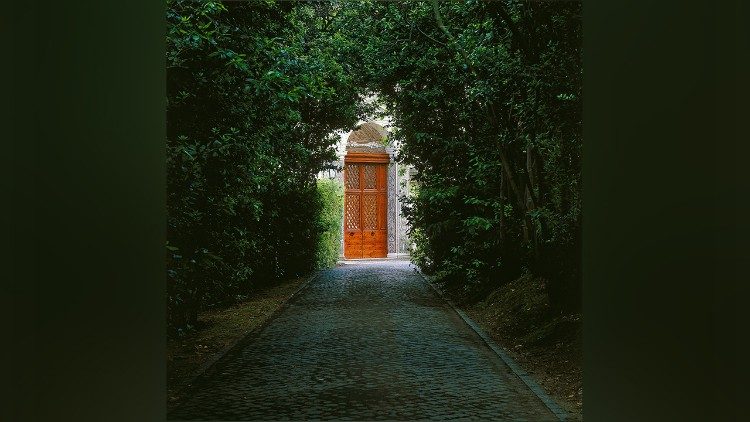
(364, 341)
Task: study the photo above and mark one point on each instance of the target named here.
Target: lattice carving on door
(352, 176)
(352, 211)
(369, 212)
(371, 178)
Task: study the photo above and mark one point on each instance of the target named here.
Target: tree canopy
(486, 103)
(486, 97)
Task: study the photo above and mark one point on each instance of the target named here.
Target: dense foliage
(254, 92)
(330, 219)
(486, 98)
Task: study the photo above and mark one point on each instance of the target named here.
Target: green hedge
(331, 199)
(254, 92)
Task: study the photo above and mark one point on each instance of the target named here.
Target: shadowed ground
(366, 340)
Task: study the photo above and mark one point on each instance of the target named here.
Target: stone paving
(369, 340)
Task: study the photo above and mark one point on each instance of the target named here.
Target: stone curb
(500, 352)
(235, 344)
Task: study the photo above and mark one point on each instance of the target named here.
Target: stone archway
(372, 228)
(366, 192)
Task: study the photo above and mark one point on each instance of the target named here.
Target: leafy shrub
(330, 217)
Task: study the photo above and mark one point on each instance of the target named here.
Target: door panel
(352, 213)
(370, 176)
(370, 211)
(353, 245)
(374, 244)
(351, 175)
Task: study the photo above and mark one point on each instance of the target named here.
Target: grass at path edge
(548, 347)
(218, 329)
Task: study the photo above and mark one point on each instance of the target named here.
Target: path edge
(195, 375)
(548, 401)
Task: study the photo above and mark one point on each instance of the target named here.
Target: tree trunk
(502, 210)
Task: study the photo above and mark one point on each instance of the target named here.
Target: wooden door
(365, 210)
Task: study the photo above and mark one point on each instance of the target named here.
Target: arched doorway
(372, 225)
